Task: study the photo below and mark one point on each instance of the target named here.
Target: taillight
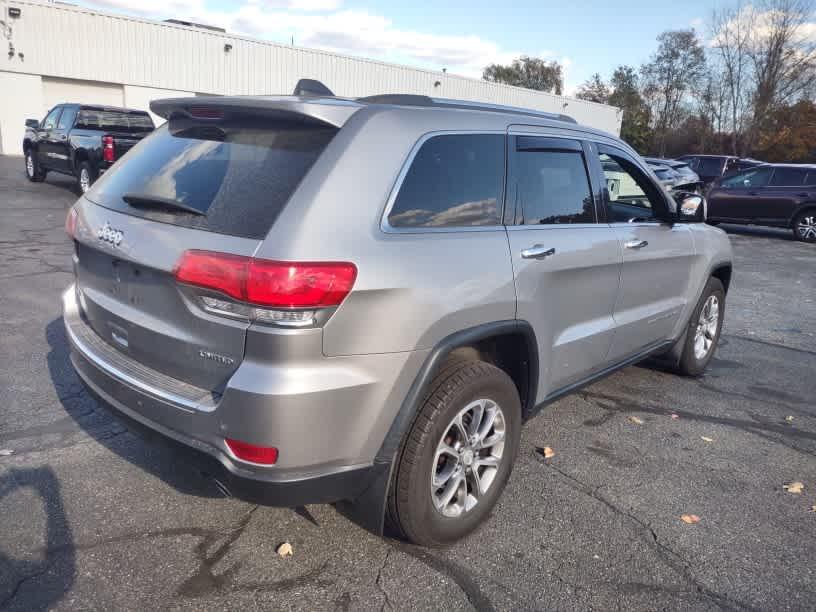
(265, 455)
(108, 153)
(288, 288)
(71, 222)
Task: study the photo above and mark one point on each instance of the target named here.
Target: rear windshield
(113, 120)
(239, 177)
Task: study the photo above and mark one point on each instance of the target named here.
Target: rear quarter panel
(412, 289)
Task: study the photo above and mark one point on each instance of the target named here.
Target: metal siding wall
(116, 49)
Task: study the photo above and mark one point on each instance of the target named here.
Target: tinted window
(113, 120)
(67, 118)
(551, 187)
(454, 180)
(709, 166)
(749, 179)
(239, 176)
(789, 177)
(51, 119)
(631, 194)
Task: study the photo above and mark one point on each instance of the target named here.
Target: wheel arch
(510, 345)
(802, 208)
(79, 156)
(723, 273)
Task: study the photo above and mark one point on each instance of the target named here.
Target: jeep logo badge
(110, 235)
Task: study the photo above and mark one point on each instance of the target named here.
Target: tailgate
(129, 297)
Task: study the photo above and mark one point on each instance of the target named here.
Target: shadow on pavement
(45, 580)
(154, 456)
(758, 231)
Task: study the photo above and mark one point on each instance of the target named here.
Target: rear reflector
(265, 455)
(274, 284)
(71, 222)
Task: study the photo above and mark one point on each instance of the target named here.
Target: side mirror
(32, 123)
(691, 207)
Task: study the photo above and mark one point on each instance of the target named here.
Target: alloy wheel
(29, 165)
(468, 457)
(806, 227)
(707, 324)
(84, 180)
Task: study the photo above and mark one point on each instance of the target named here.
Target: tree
(528, 72)
(626, 96)
(674, 70)
(731, 34)
(790, 134)
(782, 52)
(594, 90)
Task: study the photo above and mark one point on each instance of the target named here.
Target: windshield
(709, 166)
(231, 179)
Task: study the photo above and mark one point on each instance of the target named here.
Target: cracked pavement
(93, 517)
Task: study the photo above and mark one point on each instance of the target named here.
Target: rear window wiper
(150, 201)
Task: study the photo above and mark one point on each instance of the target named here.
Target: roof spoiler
(214, 109)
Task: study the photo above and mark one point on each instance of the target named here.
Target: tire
(701, 342)
(804, 226)
(34, 171)
(416, 507)
(86, 175)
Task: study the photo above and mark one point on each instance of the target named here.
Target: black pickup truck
(82, 140)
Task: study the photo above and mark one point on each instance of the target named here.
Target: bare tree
(674, 71)
(730, 39)
(782, 52)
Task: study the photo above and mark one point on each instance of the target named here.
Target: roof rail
(417, 100)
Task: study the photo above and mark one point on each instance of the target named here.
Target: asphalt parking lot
(92, 517)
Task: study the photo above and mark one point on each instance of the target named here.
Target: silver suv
(362, 300)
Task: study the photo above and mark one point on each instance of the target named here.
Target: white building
(52, 53)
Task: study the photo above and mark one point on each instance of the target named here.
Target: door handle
(636, 244)
(538, 251)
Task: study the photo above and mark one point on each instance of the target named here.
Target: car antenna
(311, 87)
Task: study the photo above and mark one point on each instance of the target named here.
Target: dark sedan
(777, 195)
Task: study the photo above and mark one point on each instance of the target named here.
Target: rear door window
(455, 180)
(788, 177)
(237, 177)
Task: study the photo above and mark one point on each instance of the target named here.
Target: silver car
(362, 300)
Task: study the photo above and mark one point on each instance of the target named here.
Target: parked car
(668, 178)
(332, 315)
(711, 167)
(686, 179)
(776, 195)
(81, 140)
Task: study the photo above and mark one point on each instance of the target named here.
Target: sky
(462, 36)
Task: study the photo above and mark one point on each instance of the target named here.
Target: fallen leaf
(706, 438)
(789, 419)
(675, 416)
(813, 509)
(794, 487)
(548, 452)
(285, 550)
(636, 420)
(690, 519)
(5, 452)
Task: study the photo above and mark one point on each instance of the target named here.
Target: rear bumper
(197, 434)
